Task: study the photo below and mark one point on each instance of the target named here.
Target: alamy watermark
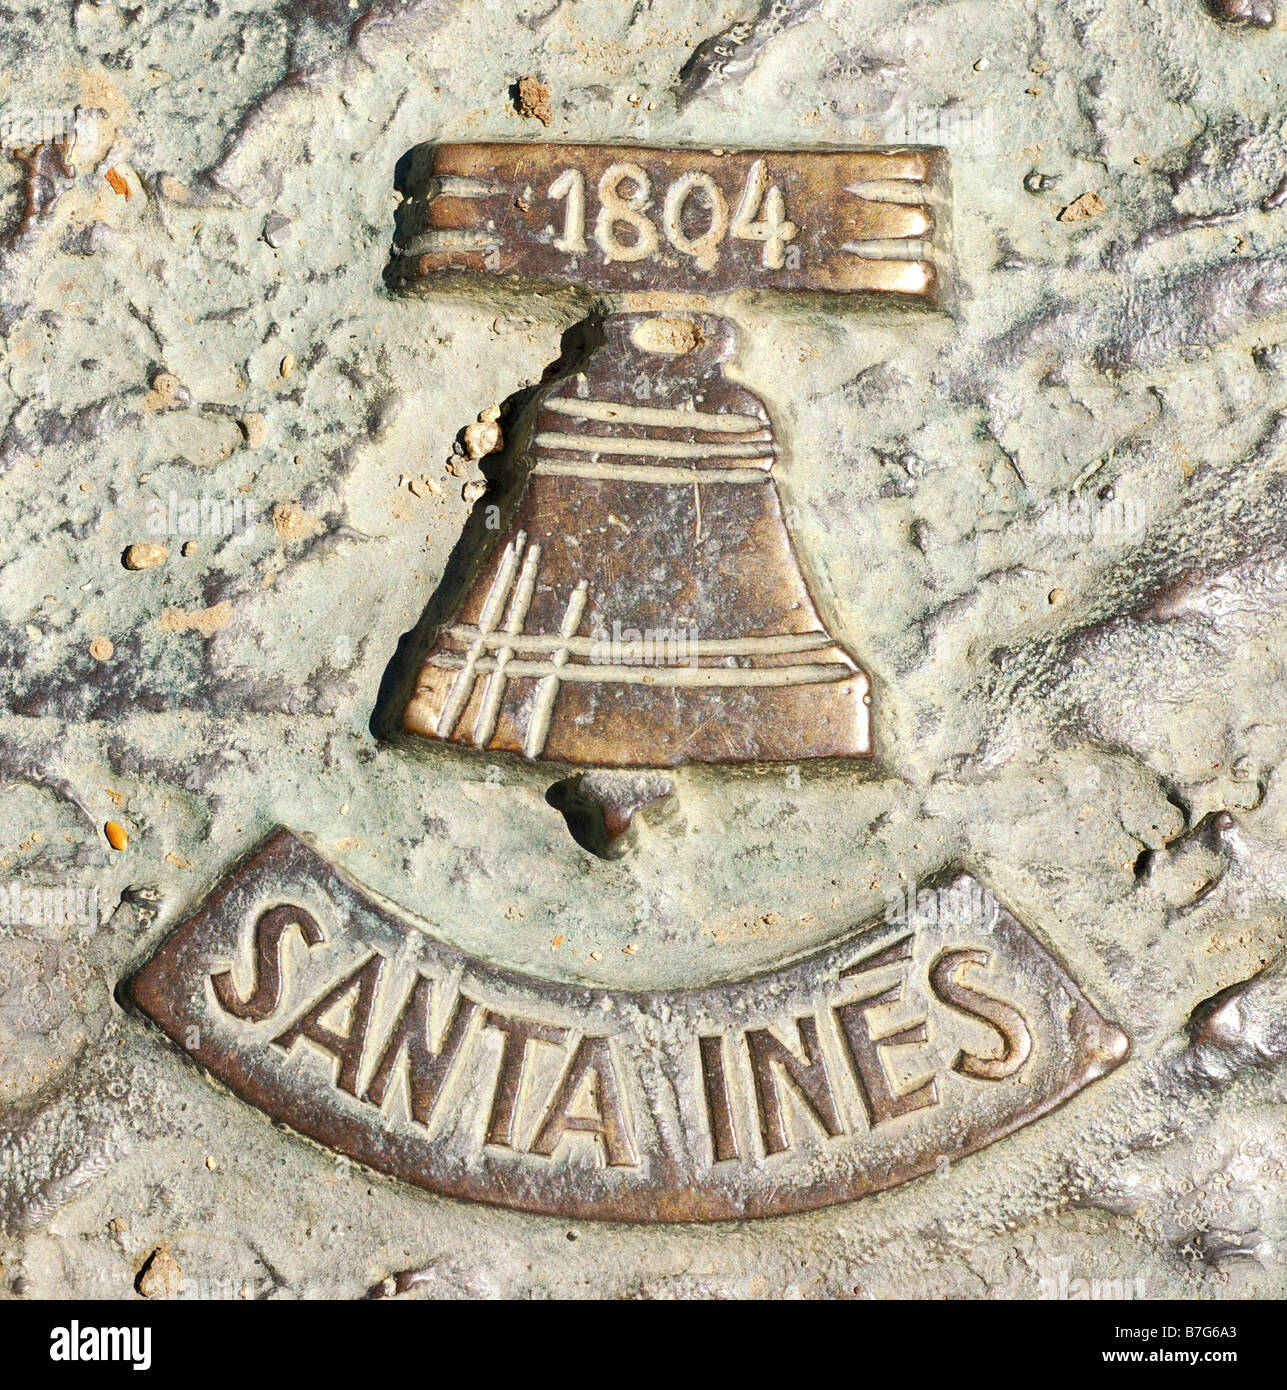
(1076, 516)
(965, 903)
(1060, 1283)
(58, 906)
(632, 646)
(200, 516)
(72, 1342)
(912, 124)
(21, 128)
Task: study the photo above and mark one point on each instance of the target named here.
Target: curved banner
(915, 1042)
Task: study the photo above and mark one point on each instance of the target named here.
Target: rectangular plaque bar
(620, 218)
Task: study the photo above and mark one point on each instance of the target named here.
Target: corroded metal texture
(612, 217)
(1046, 520)
(642, 605)
(731, 54)
(601, 807)
(900, 1049)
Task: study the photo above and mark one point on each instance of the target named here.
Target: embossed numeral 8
(613, 208)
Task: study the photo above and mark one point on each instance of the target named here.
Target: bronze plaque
(619, 218)
(909, 1044)
(605, 362)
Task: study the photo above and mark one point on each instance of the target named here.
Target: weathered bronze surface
(614, 217)
(1051, 527)
(904, 1047)
(642, 605)
(732, 52)
(601, 807)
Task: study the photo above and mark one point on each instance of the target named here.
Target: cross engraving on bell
(642, 603)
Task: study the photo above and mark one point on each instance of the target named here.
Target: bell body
(645, 607)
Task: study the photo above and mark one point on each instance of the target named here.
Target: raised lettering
(347, 1047)
(808, 1075)
(1005, 1020)
(519, 1032)
(626, 211)
(266, 987)
(570, 184)
(892, 954)
(719, 1110)
(705, 248)
(774, 229)
(426, 1069)
(591, 1063)
(879, 1098)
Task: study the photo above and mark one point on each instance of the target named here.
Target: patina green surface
(1048, 524)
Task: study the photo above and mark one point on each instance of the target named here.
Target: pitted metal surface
(1045, 521)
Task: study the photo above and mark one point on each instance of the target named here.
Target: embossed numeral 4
(772, 229)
